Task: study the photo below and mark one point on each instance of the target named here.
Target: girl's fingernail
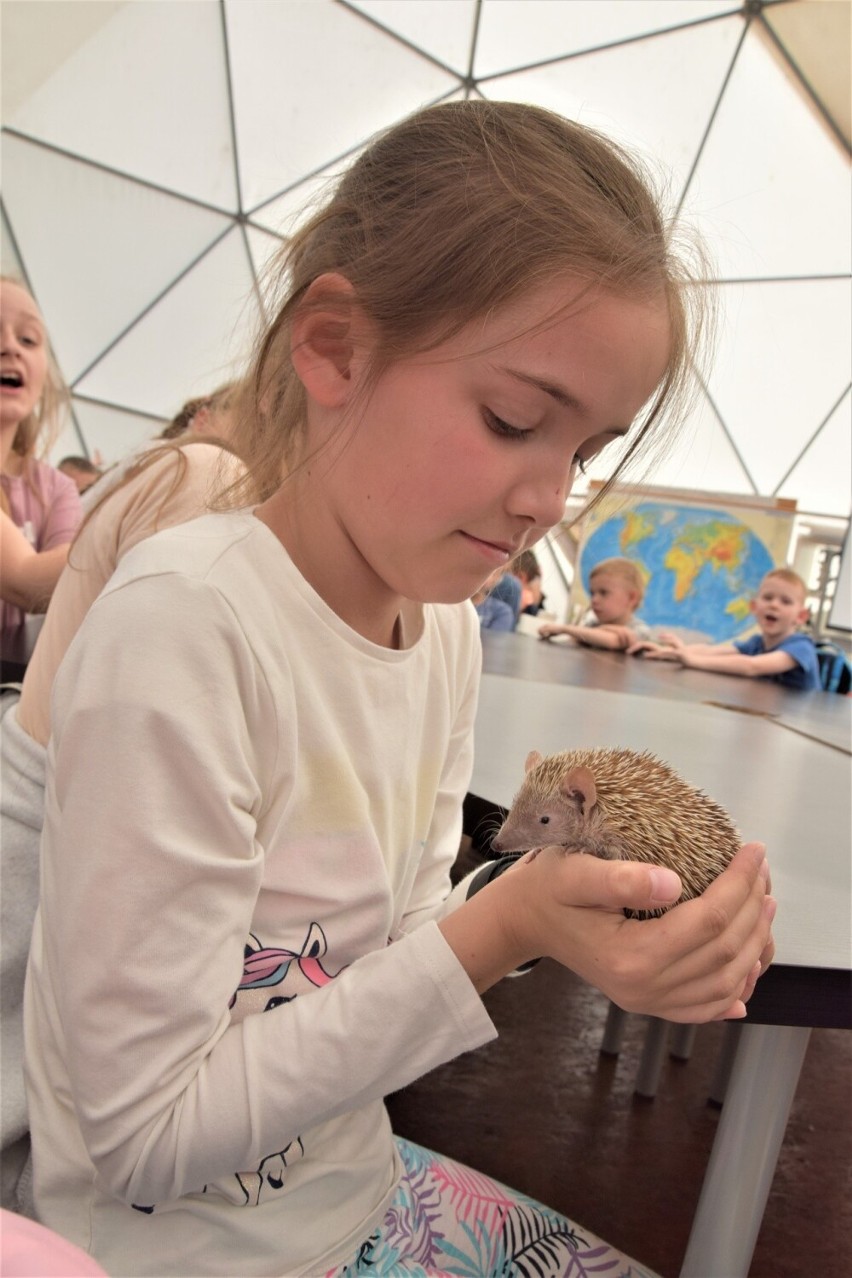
(665, 886)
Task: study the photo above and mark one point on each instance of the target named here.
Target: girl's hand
(699, 962)
(548, 631)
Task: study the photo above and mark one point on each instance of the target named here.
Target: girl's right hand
(698, 962)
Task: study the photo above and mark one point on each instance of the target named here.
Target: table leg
(745, 1151)
(651, 1061)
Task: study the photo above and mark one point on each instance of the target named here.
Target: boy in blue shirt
(779, 652)
(494, 612)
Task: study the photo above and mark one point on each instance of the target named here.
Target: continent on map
(638, 525)
(714, 545)
(739, 609)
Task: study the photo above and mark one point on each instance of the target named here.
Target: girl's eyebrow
(562, 396)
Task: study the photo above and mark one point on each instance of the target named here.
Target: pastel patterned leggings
(448, 1219)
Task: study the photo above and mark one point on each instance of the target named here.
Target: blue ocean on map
(701, 567)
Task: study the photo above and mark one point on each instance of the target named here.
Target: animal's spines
(651, 811)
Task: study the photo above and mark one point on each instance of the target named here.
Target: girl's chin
(12, 413)
(447, 594)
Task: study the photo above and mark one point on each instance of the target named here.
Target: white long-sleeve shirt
(242, 791)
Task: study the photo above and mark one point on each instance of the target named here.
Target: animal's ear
(578, 785)
(533, 760)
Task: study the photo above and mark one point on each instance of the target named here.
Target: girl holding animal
(248, 938)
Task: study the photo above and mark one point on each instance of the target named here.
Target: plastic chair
(835, 672)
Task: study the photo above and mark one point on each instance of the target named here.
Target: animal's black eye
(545, 820)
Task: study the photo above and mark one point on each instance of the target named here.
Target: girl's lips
(492, 550)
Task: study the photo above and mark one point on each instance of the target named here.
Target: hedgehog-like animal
(620, 805)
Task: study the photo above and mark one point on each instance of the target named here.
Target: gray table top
(782, 788)
(520, 656)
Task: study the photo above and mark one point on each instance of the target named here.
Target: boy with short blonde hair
(617, 589)
(779, 652)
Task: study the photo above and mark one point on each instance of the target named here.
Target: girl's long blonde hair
(449, 215)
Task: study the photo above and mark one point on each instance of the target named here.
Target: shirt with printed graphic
(250, 817)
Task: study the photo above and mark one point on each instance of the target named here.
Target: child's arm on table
(717, 658)
(551, 629)
(616, 638)
(699, 962)
(738, 663)
(670, 647)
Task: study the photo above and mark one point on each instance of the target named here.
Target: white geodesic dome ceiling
(154, 151)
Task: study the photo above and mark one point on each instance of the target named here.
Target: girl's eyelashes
(499, 427)
(592, 449)
(504, 429)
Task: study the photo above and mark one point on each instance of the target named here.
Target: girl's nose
(541, 497)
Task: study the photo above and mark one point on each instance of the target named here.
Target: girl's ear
(326, 340)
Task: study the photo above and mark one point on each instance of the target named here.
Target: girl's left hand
(698, 962)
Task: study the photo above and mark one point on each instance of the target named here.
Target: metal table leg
(745, 1151)
(653, 1053)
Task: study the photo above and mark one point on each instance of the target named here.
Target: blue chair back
(835, 672)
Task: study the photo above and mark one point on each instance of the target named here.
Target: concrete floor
(542, 1110)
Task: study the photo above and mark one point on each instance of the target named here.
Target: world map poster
(702, 562)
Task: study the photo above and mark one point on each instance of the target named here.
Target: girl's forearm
(28, 576)
(478, 937)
